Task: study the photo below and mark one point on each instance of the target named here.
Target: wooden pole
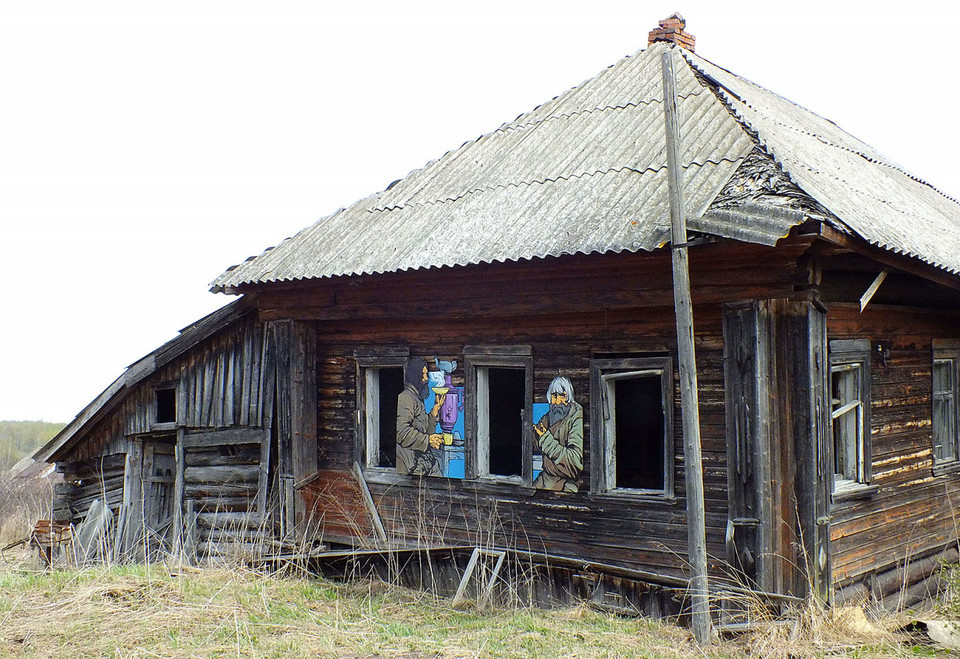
(696, 526)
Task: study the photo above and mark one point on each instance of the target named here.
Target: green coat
(562, 448)
(414, 427)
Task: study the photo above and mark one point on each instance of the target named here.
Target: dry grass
(174, 611)
(188, 612)
(22, 503)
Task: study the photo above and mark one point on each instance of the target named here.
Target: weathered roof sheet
(586, 172)
(873, 196)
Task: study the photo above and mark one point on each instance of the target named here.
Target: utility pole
(696, 526)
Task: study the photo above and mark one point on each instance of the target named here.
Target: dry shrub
(815, 631)
(23, 501)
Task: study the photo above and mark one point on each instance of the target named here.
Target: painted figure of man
(560, 439)
(415, 427)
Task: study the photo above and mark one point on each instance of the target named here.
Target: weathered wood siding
(568, 313)
(914, 513)
(220, 383)
(224, 391)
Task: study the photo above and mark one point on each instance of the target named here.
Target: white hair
(560, 385)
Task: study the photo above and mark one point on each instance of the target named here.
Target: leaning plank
(368, 502)
(223, 437)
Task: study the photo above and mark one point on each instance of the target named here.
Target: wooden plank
(222, 474)
(213, 492)
(369, 504)
(246, 367)
(240, 454)
(224, 437)
(303, 407)
(229, 383)
(178, 493)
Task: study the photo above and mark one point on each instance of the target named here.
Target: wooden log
(220, 491)
(228, 519)
(227, 436)
(222, 475)
(217, 503)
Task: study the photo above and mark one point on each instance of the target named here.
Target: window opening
(633, 417)
(638, 440)
(166, 405)
(383, 386)
(945, 446)
(503, 416)
(850, 413)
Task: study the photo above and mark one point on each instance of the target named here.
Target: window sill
(851, 491)
(166, 425)
(628, 497)
(946, 468)
(389, 476)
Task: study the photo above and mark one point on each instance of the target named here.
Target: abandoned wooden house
(485, 354)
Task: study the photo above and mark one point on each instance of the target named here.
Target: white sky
(147, 146)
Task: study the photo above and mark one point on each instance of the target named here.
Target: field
(182, 611)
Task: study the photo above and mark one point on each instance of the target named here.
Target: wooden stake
(696, 526)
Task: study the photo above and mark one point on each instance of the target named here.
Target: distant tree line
(19, 439)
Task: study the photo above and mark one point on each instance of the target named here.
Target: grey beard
(557, 412)
(424, 390)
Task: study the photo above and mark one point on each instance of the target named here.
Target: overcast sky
(147, 146)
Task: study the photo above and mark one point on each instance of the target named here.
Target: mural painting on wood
(558, 441)
(430, 443)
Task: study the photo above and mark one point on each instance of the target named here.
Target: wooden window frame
(478, 360)
(603, 374)
(848, 356)
(947, 353)
(159, 426)
(369, 364)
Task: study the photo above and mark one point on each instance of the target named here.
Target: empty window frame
(946, 448)
(499, 404)
(632, 416)
(850, 413)
(165, 405)
(379, 383)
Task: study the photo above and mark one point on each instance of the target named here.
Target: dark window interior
(507, 401)
(639, 428)
(166, 405)
(391, 384)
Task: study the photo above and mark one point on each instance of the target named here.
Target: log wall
(568, 313)
(224, 398)
(915, 512)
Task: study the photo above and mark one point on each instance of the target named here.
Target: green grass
(138, 611)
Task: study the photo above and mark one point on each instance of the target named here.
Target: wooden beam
(370, 505)
(696, 516)
(872, 290)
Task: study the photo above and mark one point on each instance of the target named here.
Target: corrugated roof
(586, 172)
(873, 196)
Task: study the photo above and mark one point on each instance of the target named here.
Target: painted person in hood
(560, 439)
(416, 436)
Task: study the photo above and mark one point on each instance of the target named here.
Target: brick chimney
(671, 29)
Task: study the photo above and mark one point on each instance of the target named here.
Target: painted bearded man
(416, 438)
(560, 439)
